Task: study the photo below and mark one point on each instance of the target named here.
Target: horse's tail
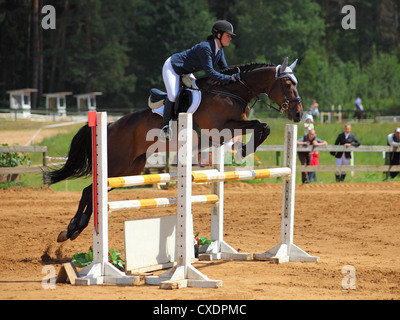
(79, 162)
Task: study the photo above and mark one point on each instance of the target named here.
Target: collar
(216, 46)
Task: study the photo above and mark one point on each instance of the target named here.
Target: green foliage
(119, 47)
(13, 159)
(201, 241)
(82, 259)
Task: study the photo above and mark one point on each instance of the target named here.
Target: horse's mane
(242, 68)
(247, 67)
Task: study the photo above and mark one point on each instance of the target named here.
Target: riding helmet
(222, 26)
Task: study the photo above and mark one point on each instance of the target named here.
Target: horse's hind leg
(81, 218)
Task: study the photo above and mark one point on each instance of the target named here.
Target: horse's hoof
(75, 235)
(62, 236)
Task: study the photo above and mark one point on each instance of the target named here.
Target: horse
(223, 106)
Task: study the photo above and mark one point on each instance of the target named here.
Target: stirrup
(166, 133)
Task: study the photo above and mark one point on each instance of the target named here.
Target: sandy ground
(343, 224)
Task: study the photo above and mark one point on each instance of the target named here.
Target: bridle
(285, 104)
(281, 108)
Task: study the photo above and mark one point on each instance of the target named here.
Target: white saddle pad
(196, 99)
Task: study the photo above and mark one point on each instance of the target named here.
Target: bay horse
(223, 106)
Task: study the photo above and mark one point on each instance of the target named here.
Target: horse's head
(283, 91)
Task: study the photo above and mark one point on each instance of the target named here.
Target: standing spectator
(314, 109)
(305, 157)
(342, 158)
(358, 110)
(393, 139)
(308, 124)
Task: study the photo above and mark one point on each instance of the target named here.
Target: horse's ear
(284, 64)
(293, 65)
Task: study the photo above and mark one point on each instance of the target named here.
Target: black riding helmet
(222, 26)
(219, 28)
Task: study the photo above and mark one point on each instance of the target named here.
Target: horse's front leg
(260, 132)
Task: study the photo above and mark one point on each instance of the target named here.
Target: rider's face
(226, 39)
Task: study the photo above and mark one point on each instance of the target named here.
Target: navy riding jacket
(341, 140)
(201, 57)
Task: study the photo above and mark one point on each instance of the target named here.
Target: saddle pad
(196, 99)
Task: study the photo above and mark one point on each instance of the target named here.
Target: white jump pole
(100, 270)
(286, 250)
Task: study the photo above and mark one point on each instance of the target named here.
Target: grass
(367, 133)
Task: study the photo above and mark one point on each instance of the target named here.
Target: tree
(162, 29)
(270, 30)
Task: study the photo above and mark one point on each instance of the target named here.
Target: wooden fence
(263, 148)
(25, 169)
(381, 168)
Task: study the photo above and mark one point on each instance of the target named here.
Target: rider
(202, 56)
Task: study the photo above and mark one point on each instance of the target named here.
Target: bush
(12, 159)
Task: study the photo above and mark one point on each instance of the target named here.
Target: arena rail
(337, 148)
(184, 274)
(25, 169)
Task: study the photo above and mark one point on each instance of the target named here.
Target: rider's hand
(235, 77)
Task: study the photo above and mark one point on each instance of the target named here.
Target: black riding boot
(342, 177)
(166, 133)
(337, 177)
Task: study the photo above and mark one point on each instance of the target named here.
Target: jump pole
(100, 270)
(287, 251)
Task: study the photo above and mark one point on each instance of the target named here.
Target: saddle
(183, 100)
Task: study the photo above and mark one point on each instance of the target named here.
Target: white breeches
(171, 80)
(341, 162)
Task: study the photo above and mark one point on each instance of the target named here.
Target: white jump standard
(184, 274)
(286, 250)
(100, 270)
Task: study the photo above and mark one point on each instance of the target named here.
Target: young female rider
(203, 56)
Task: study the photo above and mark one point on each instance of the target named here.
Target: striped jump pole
(140, 180)
(158, 202)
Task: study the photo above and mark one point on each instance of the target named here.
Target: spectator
(305, 157)
(358, 110)
(314, 162)
(342, 158)
(314, 109)
(308, 124)
(393, 140)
